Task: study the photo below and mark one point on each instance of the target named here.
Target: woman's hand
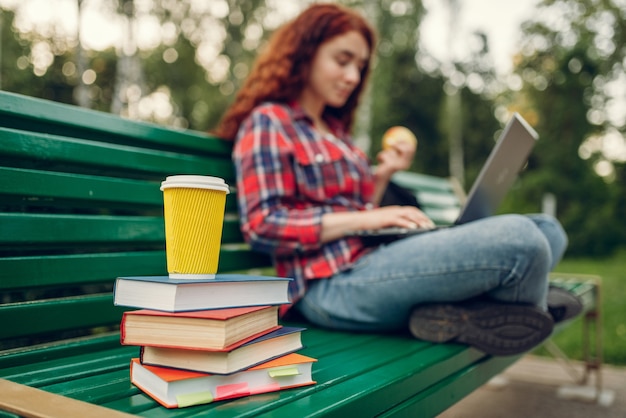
(336, 225)
(400, 216)
(398, 157)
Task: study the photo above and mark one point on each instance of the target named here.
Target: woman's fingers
(406, 217)
(418, 219)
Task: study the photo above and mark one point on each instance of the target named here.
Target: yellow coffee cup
(193, 208)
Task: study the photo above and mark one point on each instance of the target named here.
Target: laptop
(507, 158)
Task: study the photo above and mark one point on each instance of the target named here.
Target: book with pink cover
(174, 388)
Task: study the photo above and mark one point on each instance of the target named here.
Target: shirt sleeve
(273, 219)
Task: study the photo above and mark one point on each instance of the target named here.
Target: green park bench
(80, 205)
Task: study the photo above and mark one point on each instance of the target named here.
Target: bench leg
(592, 356)
(592, 342)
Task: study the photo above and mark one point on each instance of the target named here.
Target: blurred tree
(469, 91)
(400, 93)
(45, 65)
(573, 50)
(1, 37)
(205, 52)
(32, 68)
(453, 106)
(567, 75)
(129, 87)
(412, 88)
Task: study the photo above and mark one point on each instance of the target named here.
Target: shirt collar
(298, 113)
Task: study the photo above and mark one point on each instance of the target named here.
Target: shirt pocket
(323, 173)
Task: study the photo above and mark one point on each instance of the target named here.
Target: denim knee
(553, 231)
(528, 279)
(530, 240)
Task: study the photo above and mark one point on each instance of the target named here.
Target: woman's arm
(272, 219)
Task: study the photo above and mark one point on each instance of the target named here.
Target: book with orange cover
(175, 388)
(203, 330)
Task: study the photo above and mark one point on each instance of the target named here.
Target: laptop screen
(507, 159)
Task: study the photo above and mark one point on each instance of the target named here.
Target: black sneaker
(496, 328)
(562, 304)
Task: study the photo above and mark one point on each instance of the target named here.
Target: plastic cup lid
(195, 182)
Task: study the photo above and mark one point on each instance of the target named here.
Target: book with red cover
(204, 330)
(175, 388)
(277, 343)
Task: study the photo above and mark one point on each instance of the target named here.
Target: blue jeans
(506, 257)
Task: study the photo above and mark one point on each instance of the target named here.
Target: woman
(302, 184)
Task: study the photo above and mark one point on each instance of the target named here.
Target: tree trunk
(129, 84)
(81, 93)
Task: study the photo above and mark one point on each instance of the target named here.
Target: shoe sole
(496, 329)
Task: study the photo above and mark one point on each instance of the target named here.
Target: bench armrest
(30, 402)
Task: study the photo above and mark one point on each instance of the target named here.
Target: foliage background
(568, 75)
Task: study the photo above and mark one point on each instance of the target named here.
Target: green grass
(613, 308)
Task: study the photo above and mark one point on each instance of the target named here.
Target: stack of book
(209, 340)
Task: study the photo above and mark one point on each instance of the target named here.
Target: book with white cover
(277, 343)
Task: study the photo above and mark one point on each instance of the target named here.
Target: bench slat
(107, 385)
(42, 188)
(135, 403)
(10, 360)
(585, 286)
(77, 269)
(63, 230)
(83, 365)
(438, 200)
(61, 314)
(441, 216)
(32, 114)
(450, 390)
(371, 393)
(89, 155)
(32, 185)
(436, 196)
(18, 273)
(423, 182)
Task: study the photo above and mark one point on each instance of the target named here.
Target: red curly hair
(281, 72)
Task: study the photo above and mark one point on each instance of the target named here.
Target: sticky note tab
(232, 391)
(191, 399)
(284, 371)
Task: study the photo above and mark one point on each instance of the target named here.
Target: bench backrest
(80, 205)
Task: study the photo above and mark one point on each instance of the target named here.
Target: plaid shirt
(288, 176)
